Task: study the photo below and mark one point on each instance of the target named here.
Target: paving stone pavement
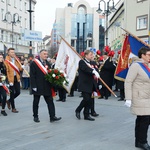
(112, 130)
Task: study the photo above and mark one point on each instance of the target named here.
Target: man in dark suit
(86, 84)
(40, 86)
(107, 75)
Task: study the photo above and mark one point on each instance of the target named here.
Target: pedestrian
(137, 94)
(3, 93)
(40, 86)
(86, 85)
(25, 76)
(13, 68)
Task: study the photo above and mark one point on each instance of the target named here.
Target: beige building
(15, 17)
(78, 24)
(131, 15)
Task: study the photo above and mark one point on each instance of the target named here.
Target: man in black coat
(40, 86)
(107, 75)
(86, 84)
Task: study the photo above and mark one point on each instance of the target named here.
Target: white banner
(67, 60)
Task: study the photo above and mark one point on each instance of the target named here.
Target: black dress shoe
(78, 115)
(55, 119)
(94, 114)
(106, 98)
(89, 118)
(3, 113)
(59, 100)
(143, 146)
(63, 100)
(121, 99)
(36, 119)
(70, 95)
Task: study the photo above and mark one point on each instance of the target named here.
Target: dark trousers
(85, 103)
(3, 96)
(141, 128)
(92, 106)
(122, 95)
(62, 93)
(14, 92)
(49, 102)
(105, 92)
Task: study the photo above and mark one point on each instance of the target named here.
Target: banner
(67, 60)
(129, 52)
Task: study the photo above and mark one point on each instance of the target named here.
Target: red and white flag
(67, 61)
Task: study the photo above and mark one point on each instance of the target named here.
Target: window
(2, 14)
(25, 7)
(140, 1)
(2, 0)
(9, 2)
(142, 22)
(20, 4)
(20, 21)
(25, 21)
(15, 3)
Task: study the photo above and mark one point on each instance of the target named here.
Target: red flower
(62, 75)
(98, 52)
(57, 77)
(111, 53)
(55, 71)
(82, 54)
(107, 49)
(101, 58)
(49, 71)
(119, 52)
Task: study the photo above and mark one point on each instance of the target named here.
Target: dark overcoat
(107, 72)
(86, 81)
(37, 80)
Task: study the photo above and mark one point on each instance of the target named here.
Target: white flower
(3, 78)
(65, 75)
(53, 75)
(64, 82)
(61, 71)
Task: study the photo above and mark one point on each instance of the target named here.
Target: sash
(145, 68)
(6, 89)
(92, 67)
(41, 67)
(13, 66)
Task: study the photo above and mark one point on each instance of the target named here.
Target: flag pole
(82, 59)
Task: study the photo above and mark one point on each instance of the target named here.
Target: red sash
(44, 70)
(41, 67)
(6, 89)
(13, 66)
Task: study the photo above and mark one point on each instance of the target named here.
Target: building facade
(15, 18)
(78, 25)
(134, 16)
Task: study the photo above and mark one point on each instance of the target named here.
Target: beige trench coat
(137, 89)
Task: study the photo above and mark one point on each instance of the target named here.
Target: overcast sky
(45, 12)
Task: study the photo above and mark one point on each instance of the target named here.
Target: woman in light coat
(137, 94)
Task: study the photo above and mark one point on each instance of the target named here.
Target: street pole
(30, 22)
(12, 34)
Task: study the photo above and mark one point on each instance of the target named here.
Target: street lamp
(107, 12)
(30, 19)
(12, 19)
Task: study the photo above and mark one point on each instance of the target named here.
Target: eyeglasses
(148, 54)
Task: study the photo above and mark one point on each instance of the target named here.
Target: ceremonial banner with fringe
(67, 60)
(129, 52)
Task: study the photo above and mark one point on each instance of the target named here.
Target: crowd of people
(23, 73)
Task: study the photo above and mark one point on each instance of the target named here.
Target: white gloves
(100, 86)
(22, 66)
(1, 84)
(11, 84)
(96, 73)
(34, 89)
(128, 103)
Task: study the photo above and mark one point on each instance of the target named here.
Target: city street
(113, 129)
